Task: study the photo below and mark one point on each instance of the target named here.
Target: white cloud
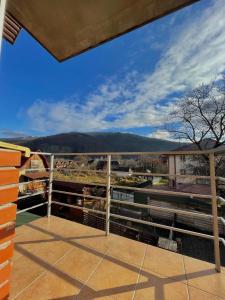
(160, 134)
(166, 135)
(195, 55)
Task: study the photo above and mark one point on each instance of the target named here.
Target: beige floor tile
(165, 262)
(96, 241)
(22, 230)
(79, 263)
(45, 221)
(127, 250)
(48, 252)
(113, 279)
(152, 286)
(52, 286)
(32, 240)
(196, 294)
(64, 229)
(16, 254)
(34, 235)
(24, 272)
(202, 275)
(31, 237)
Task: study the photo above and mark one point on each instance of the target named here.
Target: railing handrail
(181, 152)
(108, 185)
(171, 152)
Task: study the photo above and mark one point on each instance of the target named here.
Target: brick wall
(9, 176)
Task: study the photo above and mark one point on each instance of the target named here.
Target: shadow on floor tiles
(152, 280)
(68, 239)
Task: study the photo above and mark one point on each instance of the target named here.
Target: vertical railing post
(50, 184)
(108, 195)
(214, 211)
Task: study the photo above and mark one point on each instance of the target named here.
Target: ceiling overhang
(69, 27)
(11, 29)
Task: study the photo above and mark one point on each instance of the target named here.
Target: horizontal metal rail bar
(117, 223)
(21, 183)
(162, 192)
(217, 150)
(31, 195)
(222, 220)
(195, 152)
(203, 235)
(33, 181)
(221, 179)
(41, 153)
(221, 199)
(162, 175)
(81, 182)
(150, 191)
(135, 153)
(32, 207)
(166, 209)
(81, 195)
(139, 173)
(136, 173)
(79, 207)
(78, 170)
(173, 210)
(38, 169)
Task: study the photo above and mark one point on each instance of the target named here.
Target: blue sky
(129, 84)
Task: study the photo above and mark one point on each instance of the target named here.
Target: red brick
(7, 232)
(9, 176)
(9, 158)
(7, 213)
(6, 251)
(5, 271)
(8, 195)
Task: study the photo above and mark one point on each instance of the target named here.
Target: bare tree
(200, 116)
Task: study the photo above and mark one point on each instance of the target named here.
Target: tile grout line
(190, 285)
(210, 293)
(186, 277)
(92, 273)
(41, 274)
(139, 274)
(167, 276)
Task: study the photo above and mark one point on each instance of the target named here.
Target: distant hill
(205, 144)
(96, 142)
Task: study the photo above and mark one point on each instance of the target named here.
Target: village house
(188, 165)
(32, 169)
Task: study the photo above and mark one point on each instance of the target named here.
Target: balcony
(58, 259)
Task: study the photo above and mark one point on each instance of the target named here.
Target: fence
(109, 200)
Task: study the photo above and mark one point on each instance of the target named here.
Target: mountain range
(95, 142)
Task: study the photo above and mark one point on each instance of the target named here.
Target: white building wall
(178, 164)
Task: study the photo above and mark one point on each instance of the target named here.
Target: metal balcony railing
(109, 186)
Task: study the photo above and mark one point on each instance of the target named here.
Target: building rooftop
(85, 264)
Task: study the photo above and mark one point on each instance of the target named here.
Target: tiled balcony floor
(59, 259)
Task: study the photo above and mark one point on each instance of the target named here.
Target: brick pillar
(9, 176)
